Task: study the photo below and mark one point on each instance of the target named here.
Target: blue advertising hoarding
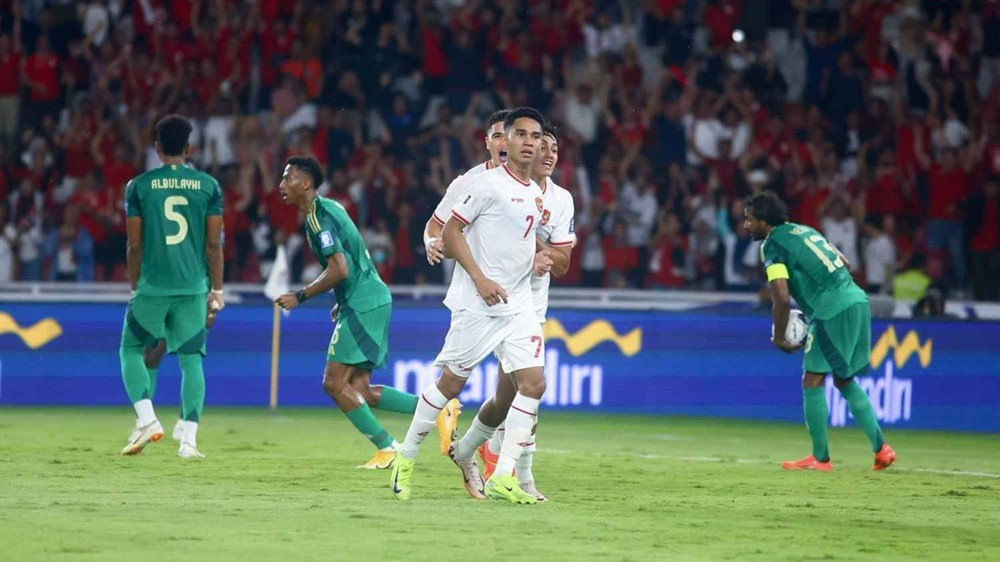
(925, 374)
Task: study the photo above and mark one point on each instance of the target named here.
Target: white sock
(190, 433)
(520, 420)
(429, 405)
(523, 465)
(477, 434)
(394, 446)
(144, 410)
(496, 442)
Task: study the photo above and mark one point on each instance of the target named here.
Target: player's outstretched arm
(455, 246)
(133, 252)
(336, 271)
(215, 261)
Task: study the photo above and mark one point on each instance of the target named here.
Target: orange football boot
(489, 460)
(808, 463)
(884, 457)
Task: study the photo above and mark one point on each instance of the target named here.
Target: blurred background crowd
(878, 121)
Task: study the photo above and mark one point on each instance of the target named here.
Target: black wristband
(301, 296)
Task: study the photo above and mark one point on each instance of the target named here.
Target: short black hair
(172, 133)
(496, 117)
(527, 112)
(768, 207)
(548, 128)
(310, 166)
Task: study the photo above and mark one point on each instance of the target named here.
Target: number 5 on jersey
(173, 216)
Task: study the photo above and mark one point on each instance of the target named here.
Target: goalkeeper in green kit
(801, 263)
(174, 227)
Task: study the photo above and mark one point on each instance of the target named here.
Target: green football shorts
(361, 339)
(179, 319)
(841, 345)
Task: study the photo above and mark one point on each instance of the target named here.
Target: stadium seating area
(878, 121)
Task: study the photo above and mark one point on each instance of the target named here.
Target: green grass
(284, 487)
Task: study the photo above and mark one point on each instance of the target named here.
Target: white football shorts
(516, 340)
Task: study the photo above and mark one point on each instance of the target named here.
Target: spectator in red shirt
(619, 257)
(666, 262)
(41, 73)
(10, 86)
(984, 228)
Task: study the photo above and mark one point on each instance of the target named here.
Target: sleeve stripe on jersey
(460, 217)
(776, 271)
(313, 221)
(566, 243)
(437, 219)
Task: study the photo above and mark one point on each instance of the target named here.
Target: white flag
(277, 280)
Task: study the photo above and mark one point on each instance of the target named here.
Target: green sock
(134, 373)
(365, 422)
(152, 380)
(192, 386)
(814, 404)
(861, 409)
(394, 400)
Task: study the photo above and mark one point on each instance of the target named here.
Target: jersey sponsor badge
(325, 239)
(467, 199)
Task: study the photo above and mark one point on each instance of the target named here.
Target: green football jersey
(173, 202)
(818, 279)
(330, 230)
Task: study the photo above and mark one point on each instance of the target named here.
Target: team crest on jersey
(325, 239)
(546, 215)
(538, 203)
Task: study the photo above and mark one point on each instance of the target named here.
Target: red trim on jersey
(518, 409)
(489, 164)
(437, 219)
(524, 183)
(429, 402)
(464, 220)
(545, 185)
(567, 243)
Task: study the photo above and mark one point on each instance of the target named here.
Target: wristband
(217, 291)
(301, 296)
(428, 240)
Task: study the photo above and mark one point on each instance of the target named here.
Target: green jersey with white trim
(818, 279)
(330, 230)
(173, 202)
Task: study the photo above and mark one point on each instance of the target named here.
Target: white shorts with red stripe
(515, 340)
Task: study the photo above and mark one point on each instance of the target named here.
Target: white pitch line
(951, 472)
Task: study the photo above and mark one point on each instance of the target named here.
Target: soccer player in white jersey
(447, 424)
(491, 233)
(556, 234)
(496, 147)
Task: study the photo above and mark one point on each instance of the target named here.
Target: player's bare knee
(840, 383)
(450, 384)
(812, 380)
(334, 384)
(532, 387)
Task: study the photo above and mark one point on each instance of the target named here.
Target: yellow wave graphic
(34, 336)
(902, 350)
(591, 335)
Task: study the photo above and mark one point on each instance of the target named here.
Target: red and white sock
(520, 420)
(429, 405)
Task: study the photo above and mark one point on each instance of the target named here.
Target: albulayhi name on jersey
(174, 183)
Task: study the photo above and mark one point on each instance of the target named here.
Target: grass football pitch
(284, 487)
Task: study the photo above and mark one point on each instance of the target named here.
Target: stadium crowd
(877, 121)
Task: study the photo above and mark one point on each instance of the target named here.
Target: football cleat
(808, 463)
(402, 477)
(382, 459)
(529, 488)
(489, 459)
(884, 457)
(189, 451)
(447, 424)
(178, 434)
(470, 474)
(507, 488)
(142, 436)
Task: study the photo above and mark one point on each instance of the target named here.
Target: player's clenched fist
(490, 291)
(287, 301)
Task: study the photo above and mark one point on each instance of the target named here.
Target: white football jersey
(556, 229)
(455, 190)
(502, 215)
